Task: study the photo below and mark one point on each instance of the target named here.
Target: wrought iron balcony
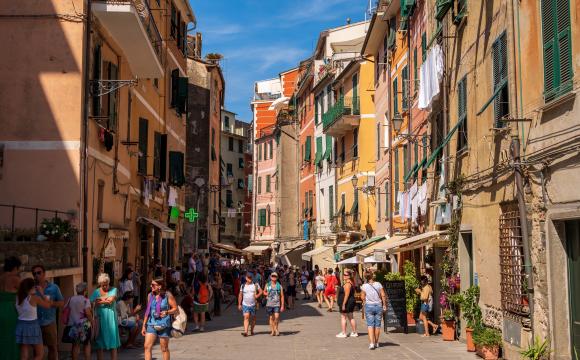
(342, 117)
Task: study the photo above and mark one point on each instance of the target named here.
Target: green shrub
(484, 336)
(537, 350)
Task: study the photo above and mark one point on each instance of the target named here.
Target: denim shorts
(374, 315)
(165, 333)
(271, 310)
(249, 310)
(425, 308)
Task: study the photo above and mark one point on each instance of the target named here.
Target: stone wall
(52, 255)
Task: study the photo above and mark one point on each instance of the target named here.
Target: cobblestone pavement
(305, 333)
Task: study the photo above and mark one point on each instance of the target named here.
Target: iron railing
(21, 223)
(344, 106)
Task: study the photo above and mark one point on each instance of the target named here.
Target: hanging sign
(110, 249)
(191, 215)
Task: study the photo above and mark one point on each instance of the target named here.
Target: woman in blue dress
(105, 300)
(157, 321)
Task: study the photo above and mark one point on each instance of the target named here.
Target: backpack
(179, 323)
(203, 294)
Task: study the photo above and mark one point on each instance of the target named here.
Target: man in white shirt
(249, 292)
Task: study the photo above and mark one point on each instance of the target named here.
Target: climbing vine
(450, 279)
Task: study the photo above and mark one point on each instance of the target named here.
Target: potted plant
(56, 229)
(524, 299)
(487, 342)
(411, 283)
(537, 350)
(448, 325)
(471, 313)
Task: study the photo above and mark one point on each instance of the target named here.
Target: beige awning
(166, 230)
(257, 249)
(296, 246)
(381, 245)
(417, 241)
(227, 248)
(352, 45)
(307, 256)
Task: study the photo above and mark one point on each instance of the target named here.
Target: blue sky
(261, 38)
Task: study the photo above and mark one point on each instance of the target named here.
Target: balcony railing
(344, 106)
(150, 26)
(345, 222)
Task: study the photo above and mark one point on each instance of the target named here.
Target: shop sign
(110, 249)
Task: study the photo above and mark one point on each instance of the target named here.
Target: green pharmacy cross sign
(191, 215)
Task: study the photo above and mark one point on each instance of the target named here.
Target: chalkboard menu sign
(396, 315)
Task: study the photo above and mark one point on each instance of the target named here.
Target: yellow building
(350, 121)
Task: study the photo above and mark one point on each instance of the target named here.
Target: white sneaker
(202, 329)
(376, 345)
(353, 334)
(371, 346)
(341, 335)
(196, 328)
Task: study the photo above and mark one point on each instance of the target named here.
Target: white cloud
(225, 30)
(263, 58)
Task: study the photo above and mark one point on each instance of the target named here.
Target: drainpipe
(515, 149)
(409, 112)
(85, 135)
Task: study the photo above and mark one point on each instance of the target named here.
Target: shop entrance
(573, 250)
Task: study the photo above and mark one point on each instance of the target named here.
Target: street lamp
(397, 123)
(354, 181)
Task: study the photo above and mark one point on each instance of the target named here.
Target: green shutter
(176, 168)
(143, 146)
(330, 202)
(424, 46)
(395, 97)
(415, 68)
(308, 148)
(174, 87)
(556, 33)
(328, 150)
(113, 99)
(262, 217)
(316, 110)
(182, 88)
(319, 151)
(405, 158)
(405, 87)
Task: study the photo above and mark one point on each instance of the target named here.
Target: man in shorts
(249, 293)
(47, 317)
(275, 302)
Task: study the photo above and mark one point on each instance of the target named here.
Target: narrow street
(305, 333)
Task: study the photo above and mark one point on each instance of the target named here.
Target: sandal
(245, 334)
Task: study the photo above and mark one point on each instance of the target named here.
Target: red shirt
(331, 281)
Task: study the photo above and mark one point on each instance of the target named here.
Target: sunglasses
(37, 273)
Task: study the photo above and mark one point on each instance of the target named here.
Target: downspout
(390, 149)
(517, 7)
(409, 112)
(515, 148)
(85, 135)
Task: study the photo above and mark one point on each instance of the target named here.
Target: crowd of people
(114, 317)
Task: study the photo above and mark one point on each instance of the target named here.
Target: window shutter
(330, 202)
(182, 88)
(174, 87)
(259, 184)
(557, 48)
(143, 144)
(424, 46)
(176, 173)
(268, 184)
(328, 153)
(96, 103)
(308, 148)
(318, 150)
(173, 29)
(157, 155)
(395, 97)
(163, 158)
(262, 217)
(113, 97)
(405, 87)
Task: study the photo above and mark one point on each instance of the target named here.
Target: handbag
(66, 313)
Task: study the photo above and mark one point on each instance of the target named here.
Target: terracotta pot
(448, 329)
(410, 319)
(488, 352)
(525, 301)
(469, 338)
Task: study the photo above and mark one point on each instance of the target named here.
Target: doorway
(572, 229)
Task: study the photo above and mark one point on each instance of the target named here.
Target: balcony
(131, 24)
(342, 117)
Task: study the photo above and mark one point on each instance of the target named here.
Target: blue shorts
(249, 310)
(425, 308)
(271, 310)
(374, 315)
(320, 288)
(165, 333)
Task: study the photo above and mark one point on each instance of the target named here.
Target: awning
(117, 234)
(227, 248)
(279, 103)
(362, 244)
(292, 256)
(158, 224)
(257, 249)
(371, 260)
(307, 256)
(351, 260)
(381, 245)
(413, 242)
(353, 45)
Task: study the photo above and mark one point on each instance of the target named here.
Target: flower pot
(448, 330)
(488, 352)
(469, 338)
(410, 319)
(525, 300)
